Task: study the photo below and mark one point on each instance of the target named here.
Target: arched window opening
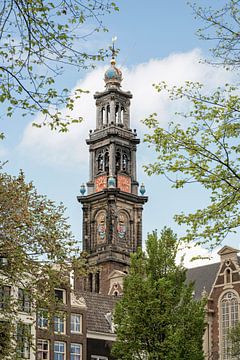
(100, 162)
(228, 276)
(229, 318)
(125, 163)
(106, 162)
(90, 282)
(122, 114)
(108, 115)
(103, 116)
(85, 284)
(97, 282)
(118, 161)
(116, 113)
(119, 114)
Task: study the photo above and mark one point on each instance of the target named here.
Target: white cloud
(70, 149)
(191, 251)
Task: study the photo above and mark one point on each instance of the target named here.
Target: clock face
(100, 183)
(124, 183)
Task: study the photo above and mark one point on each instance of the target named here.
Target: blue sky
(157, 42)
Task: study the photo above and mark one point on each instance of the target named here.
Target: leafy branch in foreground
(222, 26)
(203, 148)
(38, 39)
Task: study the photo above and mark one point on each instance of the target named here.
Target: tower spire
(112, 208)
(112, 48)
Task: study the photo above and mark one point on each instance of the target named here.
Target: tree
(202, 149)
(157, 317)
(233, 338)
(38, 38)
(222, 27)
(37, 252)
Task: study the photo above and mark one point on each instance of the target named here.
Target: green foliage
(221, 26)
(37, 39)
(157, 317)
(234, 340)
(5, 338)
(203, 148)
(37, 252)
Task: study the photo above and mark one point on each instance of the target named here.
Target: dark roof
(203, 278)
(98, 306)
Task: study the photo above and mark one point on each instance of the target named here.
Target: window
(90, 282)
(228, 276)
(24, 302)
(59, 350)
(76, 323)
(76, 352)
(59, 324)
(229, 317)
(23, 340)
(5, 292)
(5, 335)
(60, 295)
(97, 282)
(98, 357)
(42, 349)
(3, 261)
(42, 319)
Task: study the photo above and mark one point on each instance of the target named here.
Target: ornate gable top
(226, 250)
(228, 253)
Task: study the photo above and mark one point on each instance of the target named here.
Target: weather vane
(112, 48)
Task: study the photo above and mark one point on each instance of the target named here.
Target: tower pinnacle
(113, 75)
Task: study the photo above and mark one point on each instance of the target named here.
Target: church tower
(112, 208)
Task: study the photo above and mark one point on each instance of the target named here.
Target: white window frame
(42, 319)
(74, 355)
(5, 296)
(64, 299)
(75, 324)
(58, 352)
(24, 301)
(60, 320)
(98, 357)
(23, 341)
(41, 350)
